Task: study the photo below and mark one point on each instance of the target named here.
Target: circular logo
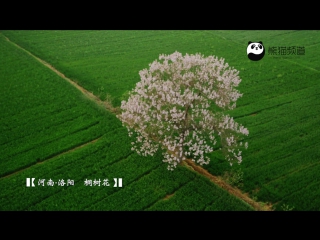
(255, 51)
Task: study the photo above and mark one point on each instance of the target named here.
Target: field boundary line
(293, 172)
(88, 94)
(168, 195)
(301, 65)
(47, 159)
(232, 190)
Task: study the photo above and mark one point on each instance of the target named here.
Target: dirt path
(190, 164)
(88, 94)
(232, 190)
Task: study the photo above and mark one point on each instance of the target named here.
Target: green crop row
(289, 183)
(75, 165)
(79, 196)
(299, 201)
(44, 136)
(293, 139)
(39, 112)
(16, 196)
(65, 143)
(13, 133)
(50, 149)
(145, 191)
(280, 168)
(294, 122)
(205, 196)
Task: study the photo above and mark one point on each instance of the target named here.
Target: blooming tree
(178, 105)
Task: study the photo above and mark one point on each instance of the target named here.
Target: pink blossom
(169, 108)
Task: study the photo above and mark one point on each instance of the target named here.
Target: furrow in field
(23, 132)
(51, 157)
(295, 180)
(168, 195)
(10, 165)
(26, 145)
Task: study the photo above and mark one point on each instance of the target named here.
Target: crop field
(49, 129)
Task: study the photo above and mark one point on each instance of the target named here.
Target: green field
(43, 117)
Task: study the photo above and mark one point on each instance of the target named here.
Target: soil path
(188, 163)
(88, 94)
(232, 190)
